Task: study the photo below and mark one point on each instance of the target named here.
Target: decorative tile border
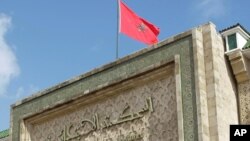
(4, 133)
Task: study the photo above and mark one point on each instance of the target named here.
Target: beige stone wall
(216, 94)
(244, 98)
(156, 124)
(200, 81)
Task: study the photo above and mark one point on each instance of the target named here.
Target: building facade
(189, 87)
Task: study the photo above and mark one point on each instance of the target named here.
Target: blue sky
(46, 42)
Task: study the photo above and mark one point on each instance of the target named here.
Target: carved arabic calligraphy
(132, 136)
(87, 126)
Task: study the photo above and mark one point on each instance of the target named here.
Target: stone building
(189, 87)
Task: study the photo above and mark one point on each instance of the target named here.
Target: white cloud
(21, 91)
(212, 8)
(8, 62)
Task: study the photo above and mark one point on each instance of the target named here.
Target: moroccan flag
(137, 27)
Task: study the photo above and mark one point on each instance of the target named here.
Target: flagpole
(117, 33)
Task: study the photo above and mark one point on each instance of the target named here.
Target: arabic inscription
(146, 112)
(78, 131)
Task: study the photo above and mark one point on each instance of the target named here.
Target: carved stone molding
(240, 65)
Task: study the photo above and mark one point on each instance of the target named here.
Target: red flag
(136, 27)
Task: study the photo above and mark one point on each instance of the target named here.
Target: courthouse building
(189, 87)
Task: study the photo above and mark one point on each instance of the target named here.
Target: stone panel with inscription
(146, 112)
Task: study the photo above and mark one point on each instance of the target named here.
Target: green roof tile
(247, 45)
(4, 133)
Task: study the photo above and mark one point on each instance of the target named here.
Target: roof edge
(4, 133)
(233, 26)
